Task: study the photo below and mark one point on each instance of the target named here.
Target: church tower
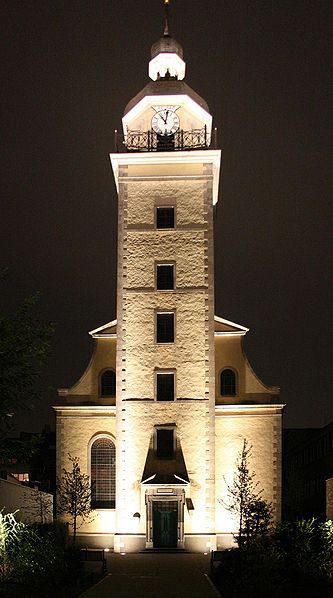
(167, 185)
(160, 415)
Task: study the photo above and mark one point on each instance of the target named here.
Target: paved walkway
(155, 576)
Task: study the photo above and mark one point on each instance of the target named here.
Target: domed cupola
(166, 56)
(167, 114)
(166, 45)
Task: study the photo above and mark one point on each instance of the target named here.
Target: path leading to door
(178, 575)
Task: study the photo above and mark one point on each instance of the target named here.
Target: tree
(24, 348)
(258, 517)
(244, 500)
(38, 504)
(74, 495)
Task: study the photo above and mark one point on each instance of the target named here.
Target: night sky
(68, 70)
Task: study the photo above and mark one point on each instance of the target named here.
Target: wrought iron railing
(149, 141)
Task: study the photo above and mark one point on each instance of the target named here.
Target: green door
(165, 520)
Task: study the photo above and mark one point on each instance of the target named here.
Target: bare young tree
(244, 500)
(39, 505)
(74, 495)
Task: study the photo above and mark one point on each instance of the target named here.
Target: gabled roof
(222, 327)
(108, 330)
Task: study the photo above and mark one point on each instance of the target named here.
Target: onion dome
(166, 44)
(166, 55)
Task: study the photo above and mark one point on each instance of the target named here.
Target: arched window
(103, 474)
(108, 384)
(228, 383)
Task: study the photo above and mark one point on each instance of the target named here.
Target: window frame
(162, 312)
(235, 373)
(174, 444)
(161, 373)
(112, 439)
(165, 207)
(166, 263)
(100, 393)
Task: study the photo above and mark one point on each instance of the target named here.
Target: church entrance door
(165, 523)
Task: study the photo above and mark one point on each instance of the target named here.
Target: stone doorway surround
(164, 494)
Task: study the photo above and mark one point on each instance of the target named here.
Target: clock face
(165, 122)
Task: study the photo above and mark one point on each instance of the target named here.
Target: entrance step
(165, 551)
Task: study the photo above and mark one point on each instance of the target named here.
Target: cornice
(253, 410)
(85, 410)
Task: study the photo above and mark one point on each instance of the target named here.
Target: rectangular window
(165, 386)
(165, 217)
(22, 477)
(165, 327)
(164, 441)
(164, 277)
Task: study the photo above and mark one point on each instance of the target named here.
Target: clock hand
(166, 117)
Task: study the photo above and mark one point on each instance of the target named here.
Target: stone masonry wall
(189, 246)
(263, 432)
(75, 431)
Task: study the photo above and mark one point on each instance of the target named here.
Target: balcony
(149, 141)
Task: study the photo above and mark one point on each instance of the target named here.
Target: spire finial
(166, 17)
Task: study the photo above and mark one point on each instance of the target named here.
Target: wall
(250, 389)
(87, 387)
(261, 427)
(76, 429)
(33, 505)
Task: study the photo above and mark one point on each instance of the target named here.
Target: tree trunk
(74, 529)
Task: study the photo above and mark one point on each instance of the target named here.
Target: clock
(165, 121)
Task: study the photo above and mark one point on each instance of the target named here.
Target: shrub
(11, 533)
(45, 566)
(251, 572)
(34, 560)
(307, 547)
(58, 530)
(295, 559)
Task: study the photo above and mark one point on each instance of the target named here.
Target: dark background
(68, 70)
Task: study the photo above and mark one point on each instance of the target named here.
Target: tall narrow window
(164, 441)
(228, 383)
(164, 277)
(103, 474)
(165, 386)
(165, 217)
(165, 327)
(108, 384)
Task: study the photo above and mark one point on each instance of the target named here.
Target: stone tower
(167, 185)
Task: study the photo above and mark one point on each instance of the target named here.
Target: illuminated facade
(161, 412)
